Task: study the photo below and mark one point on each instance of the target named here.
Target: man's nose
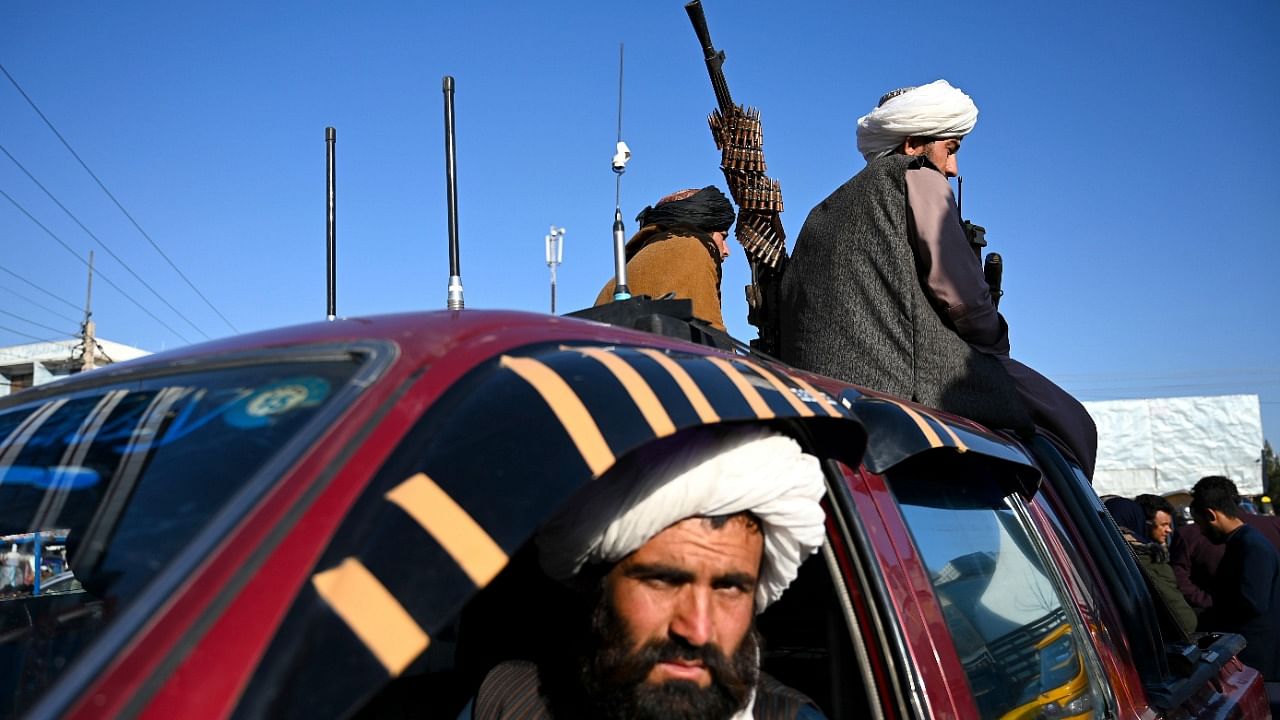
(691, 617)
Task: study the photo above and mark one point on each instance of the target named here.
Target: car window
(100, 489)
(1013, 635)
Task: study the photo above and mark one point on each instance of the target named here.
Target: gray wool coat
(853, 307)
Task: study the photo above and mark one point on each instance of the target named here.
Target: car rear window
(101, 489)
(1013, 635)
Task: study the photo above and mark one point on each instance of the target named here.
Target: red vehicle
(333, 521)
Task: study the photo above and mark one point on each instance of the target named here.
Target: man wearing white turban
(884, 290)
(680, 546)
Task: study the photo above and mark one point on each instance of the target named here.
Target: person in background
(1160, 514)
(1154, 559)
(1246, 586)
(1195, 559)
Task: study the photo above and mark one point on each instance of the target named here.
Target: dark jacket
(853, 307)
(1246, 599)
(1195, 558)
(513, 691)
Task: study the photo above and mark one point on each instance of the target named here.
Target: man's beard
(614, 675)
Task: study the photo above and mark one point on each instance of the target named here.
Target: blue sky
(1123, 162)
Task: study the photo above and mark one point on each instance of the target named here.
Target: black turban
(1129, 514)
(707, 210)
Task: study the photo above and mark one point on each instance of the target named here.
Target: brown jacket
(674, 260)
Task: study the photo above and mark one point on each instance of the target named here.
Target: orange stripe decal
(706, 413)
(643, 396)
(954, 437)
(452, 526)
(817, 395)
(373, 614)
(750, 394)
(782, 388)
(568, 409)
(929, 434)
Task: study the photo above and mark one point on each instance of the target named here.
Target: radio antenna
(620, 158)
(451, 183)
(330, 139)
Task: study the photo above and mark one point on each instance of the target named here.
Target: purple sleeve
(951, 272)
(1180, 559)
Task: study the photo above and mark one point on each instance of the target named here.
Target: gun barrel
(713, 57)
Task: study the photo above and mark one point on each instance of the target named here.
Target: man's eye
(658, 583)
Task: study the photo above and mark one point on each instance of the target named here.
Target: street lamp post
(555, 256)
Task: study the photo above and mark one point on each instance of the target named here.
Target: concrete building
(22, 366)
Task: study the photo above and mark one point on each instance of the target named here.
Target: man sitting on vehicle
(679, 249)
(679, 547)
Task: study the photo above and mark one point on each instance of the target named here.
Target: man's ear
(913, 146)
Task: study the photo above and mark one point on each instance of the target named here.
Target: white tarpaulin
(1162, 445)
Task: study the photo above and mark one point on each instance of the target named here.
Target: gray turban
(933, 110)
(701, 474)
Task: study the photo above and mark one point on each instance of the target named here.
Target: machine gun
(993, 264)
(740, 140)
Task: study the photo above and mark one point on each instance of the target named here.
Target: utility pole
(87, 341)
(555, 256)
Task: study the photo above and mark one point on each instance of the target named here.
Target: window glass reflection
(1005, 614)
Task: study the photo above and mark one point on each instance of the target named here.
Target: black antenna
(451, 181)
(620, 158)
(331, 140)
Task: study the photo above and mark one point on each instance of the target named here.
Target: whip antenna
(620, 158)
(451, 183)
(331, 139)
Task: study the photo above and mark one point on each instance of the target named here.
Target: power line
(33, 322)
(46, 308)
(110, 252)
(99, 273)
(76, 155)
(72, 305)
(33, 337)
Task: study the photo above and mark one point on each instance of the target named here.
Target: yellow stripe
(954, 437)
(818, 396)
(568, 408)
(706, 413)
(639, 390)
(781, 387)
(373, 614)
(929, 434)
(757, 403)
(462, 537)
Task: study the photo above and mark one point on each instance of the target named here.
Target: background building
(23, 366)
(1164, 445)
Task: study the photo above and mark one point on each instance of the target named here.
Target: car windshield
(101, 489)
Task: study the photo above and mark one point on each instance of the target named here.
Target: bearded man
(679, 249)
(884, 290)
(678, 548)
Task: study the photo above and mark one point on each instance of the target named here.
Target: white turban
(933, 110)
(702, 474)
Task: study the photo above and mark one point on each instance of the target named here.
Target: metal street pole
(555, 256)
